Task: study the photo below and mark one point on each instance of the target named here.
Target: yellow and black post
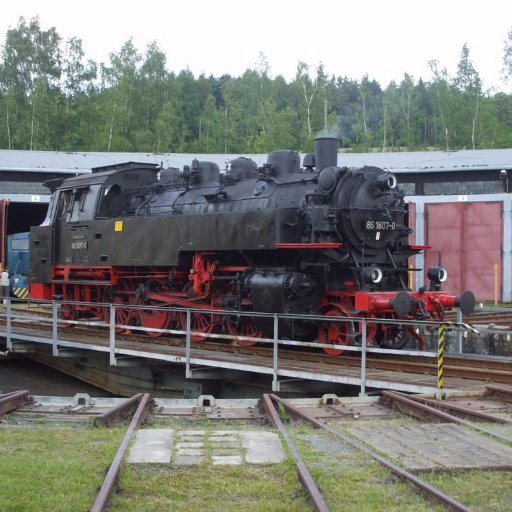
(440, 360)
(446, 326)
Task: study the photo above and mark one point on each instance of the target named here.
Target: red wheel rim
(119, 296)
(334, 333)
(68, 311)
(154, 319)
(98, 295)
(199, 323)
(244, 328)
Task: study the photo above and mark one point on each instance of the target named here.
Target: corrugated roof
(48, 161)
(432, 160)
(57, 162)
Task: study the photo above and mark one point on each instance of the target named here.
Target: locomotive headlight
(386, 181)
(437, 274)
(372, 275)
(392, 182)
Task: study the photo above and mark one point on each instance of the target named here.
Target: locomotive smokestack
(326, 152)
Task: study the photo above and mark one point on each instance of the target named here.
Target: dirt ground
(21, 373)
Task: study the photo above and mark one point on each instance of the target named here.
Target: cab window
(77, 205)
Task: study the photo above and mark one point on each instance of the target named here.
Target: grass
(61, 469)
(58, 469)
(485, 491)
(349, 480)
(252, 488)
(490, 304)
(210, 488)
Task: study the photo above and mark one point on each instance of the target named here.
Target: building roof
(433, 161)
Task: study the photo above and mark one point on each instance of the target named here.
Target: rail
(142, 412)
(115, 413)
(358, 336)
(13, 400)
(307, 481)
(424, 487)
(423, 409)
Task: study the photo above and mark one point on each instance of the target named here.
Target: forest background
(51, 98)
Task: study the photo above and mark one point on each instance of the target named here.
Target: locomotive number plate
(79, 245)
(379, 225)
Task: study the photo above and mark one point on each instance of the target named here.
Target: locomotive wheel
(392, 336)
(154, 319)
(199, 323)
(68, 311)
(396, 337)
(119, 297)
(98, 295)
(335, 333)
(244, 327)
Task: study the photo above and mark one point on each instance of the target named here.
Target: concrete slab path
(189, 447)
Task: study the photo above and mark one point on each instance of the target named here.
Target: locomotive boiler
(281, 238)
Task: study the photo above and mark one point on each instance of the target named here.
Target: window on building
(408, 188)
(462, 187)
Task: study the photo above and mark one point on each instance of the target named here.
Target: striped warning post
(440, 357)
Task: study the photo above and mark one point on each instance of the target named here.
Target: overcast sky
(383, 39)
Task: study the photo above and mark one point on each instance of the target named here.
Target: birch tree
(469, 85)
(507, 57)
(31, 67)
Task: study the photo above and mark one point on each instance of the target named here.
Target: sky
(381, 38)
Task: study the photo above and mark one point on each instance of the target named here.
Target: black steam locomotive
(321, 239)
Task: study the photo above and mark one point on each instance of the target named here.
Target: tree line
(51, 98)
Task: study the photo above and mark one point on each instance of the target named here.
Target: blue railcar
(18, 262)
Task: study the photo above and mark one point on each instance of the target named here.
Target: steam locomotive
(317, 239)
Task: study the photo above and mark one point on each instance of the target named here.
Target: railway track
(307, 480)
(424, 410)
(497, 318)
(478, 368)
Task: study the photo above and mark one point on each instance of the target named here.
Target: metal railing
(357, 335)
